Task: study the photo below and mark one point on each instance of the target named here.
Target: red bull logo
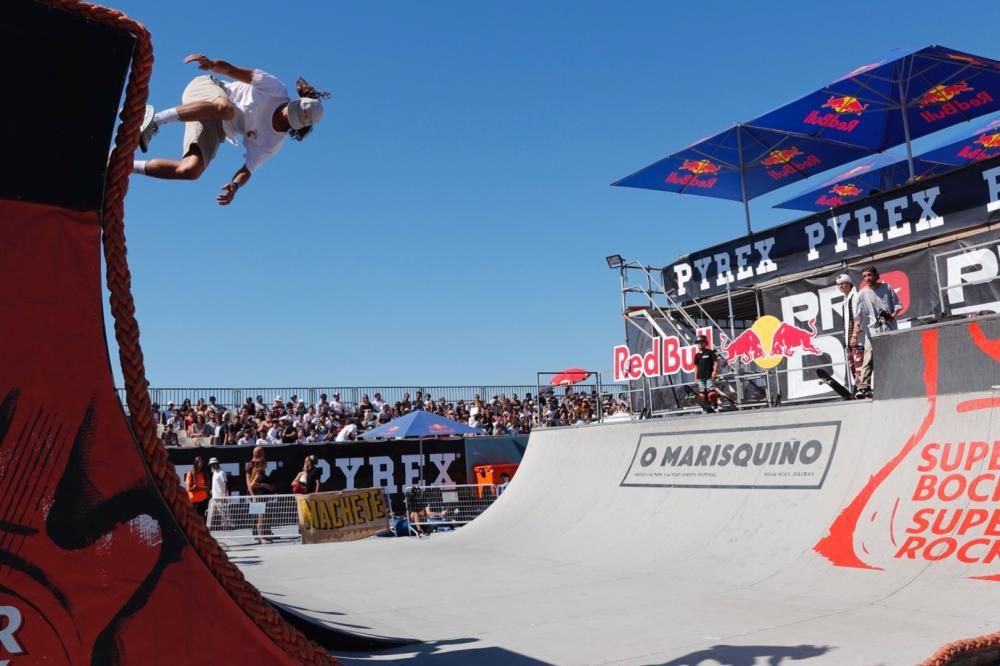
(695, 168)
(989, 140)
(845, 105)
(838, 195)
(699, 166)
(985, 147)
(946, 100)
(846, 190)
(777, 157)
(667, 356)
(839, 106)
(942, 94)
(787, 167)
(769, 341)
(439, 427)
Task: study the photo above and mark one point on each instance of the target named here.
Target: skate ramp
(102, 558)
(601, 553)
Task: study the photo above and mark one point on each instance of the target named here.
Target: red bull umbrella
(970, 146)
(875, 174)
(904, 96)
(743, 162)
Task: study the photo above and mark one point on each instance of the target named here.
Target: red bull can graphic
(695, 169)
(769, 341)
(839, 106)
(946, 100)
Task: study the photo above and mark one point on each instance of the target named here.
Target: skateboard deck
(826, 378)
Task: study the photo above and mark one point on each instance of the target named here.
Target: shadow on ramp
(443, 653)
(750, 655)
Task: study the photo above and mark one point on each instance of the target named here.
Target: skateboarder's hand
(227, 195)
(203, 62)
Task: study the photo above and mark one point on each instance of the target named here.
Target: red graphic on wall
(941, 505)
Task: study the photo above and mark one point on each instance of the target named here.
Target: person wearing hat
(877, 309)
(854, 352)
(706, 369)
(220, 491)
(255, 105)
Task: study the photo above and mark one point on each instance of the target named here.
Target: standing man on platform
(854, 353)
(876, 308)
(255, 106)
(706, 369)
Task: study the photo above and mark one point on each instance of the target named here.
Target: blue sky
(448, 221)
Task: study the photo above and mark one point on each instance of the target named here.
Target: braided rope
(971, 651)
(130, 354)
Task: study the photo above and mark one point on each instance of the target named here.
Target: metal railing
(229, 398)
(442, 508)
(242, 519)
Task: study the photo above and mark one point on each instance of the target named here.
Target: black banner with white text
(920, 212)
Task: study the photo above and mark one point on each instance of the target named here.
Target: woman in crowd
(196, 482)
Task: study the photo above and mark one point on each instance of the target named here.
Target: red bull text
(839, 106)
(666, 357)
(790, 168)
(945, 98)
(695, 168)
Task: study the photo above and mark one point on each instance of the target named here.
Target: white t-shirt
(219, 483)
(255, 103)
(348, 431)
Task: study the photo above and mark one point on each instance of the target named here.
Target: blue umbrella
(420, 423)
(906, 95)
(980, 144)
(879, 173)
(743, 162)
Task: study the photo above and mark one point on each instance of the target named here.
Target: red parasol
(569, 376)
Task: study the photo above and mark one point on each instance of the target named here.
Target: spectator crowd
(255, 423)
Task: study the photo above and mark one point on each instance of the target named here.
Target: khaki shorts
(206, 134)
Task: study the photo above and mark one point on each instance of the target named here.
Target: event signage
(956, 278)
(781, 456)
(345, 515)
(920, 212)
(390, 465)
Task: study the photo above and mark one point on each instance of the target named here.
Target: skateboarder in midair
(255, 105)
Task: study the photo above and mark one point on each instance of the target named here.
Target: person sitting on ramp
(255, 106)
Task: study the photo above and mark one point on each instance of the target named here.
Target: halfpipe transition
(863, 532)
(102, 558)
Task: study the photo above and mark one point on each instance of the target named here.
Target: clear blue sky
(448, 221)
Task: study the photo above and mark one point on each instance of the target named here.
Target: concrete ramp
(847, 533)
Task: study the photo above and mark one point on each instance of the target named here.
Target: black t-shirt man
(705, 361)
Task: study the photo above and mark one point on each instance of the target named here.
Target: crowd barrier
(237, 520)
(448, 506)
(243, 519)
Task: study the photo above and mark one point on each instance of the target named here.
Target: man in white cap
(220, 491)
(854, 353)
(254, 105)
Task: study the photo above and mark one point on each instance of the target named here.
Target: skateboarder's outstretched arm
(220, 67)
